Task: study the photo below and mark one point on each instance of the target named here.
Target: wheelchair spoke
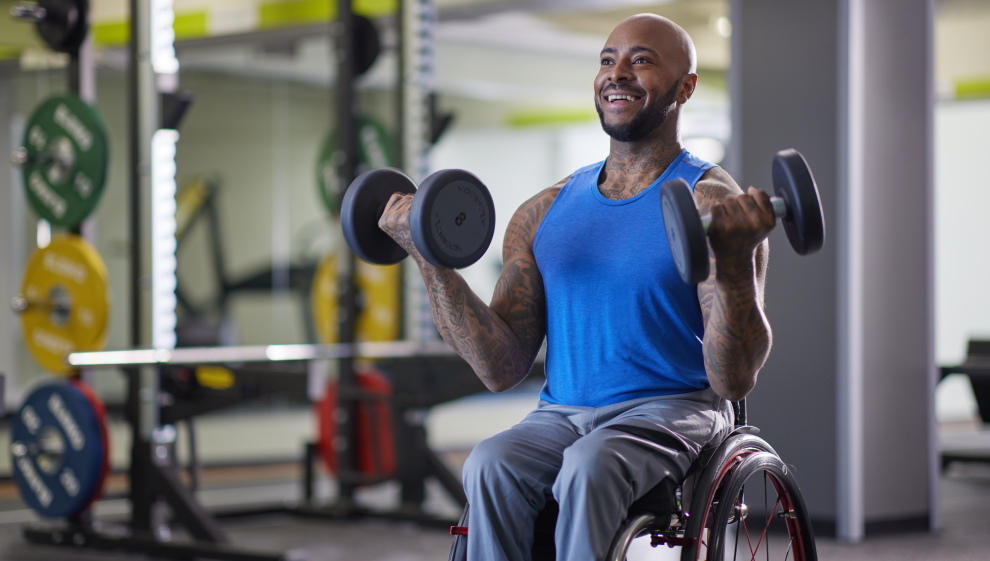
(765, 528)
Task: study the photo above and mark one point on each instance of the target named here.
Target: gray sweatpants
(594, 461)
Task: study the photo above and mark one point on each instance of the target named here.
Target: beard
(643, 123)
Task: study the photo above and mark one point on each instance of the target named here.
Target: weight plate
(375, 450)
(792, 181)
(65, 25)
(101, 416)
(65, 302)
(452, 219)
(66, 160)
(362, 207)
(685, 233)
(379, 287)
(57, 451)
(367, 45)
(375, 150)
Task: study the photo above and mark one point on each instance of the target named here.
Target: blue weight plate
(792, 181)
(362, 207)
(453, 219)
(685, 233)
(57, 451)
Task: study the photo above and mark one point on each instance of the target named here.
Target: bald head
(661, 34)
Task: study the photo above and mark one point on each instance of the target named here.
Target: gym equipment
(375, 150)
(452, 217)
(64, 302)
(63, 24)
(707, 511)
(379, 288)
(59, 449)
(797, 204)
(64, 159)
(375, 445)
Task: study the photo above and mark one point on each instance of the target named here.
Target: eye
(606, 61)
(640, 60)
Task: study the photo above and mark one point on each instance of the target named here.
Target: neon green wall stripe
(296, 12)
(537, 117)
(190, 25)
(974, 88)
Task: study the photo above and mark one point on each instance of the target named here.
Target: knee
(587, 463)
(490, 460)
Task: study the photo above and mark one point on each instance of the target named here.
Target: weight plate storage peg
(64, 160)
(363, 205)
(64, 302)
(58, 450)
(452, 219)
(374, 151)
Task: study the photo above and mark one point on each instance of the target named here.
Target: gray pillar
(853, 324)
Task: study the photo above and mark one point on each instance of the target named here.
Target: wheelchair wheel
(750, 535)
(631, 529)
(719, 526)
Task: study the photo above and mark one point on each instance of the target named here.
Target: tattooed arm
(737, 333)
(501, 340)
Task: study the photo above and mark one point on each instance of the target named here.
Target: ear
(688, 83)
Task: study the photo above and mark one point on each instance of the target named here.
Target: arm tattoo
(501, 340)
(737, 334)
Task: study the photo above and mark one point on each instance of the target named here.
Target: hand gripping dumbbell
(796, 204)
(452, 217)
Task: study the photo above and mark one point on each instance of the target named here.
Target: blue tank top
(621, 324)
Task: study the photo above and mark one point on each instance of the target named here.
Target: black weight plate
(367, 45)
(57, 451)
(792, 181)
(360, 211)
(65, 25)
(453, 219)
(685, 233)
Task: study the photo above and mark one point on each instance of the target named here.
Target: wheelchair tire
(700, 517)
(738, 459)
(801, 543)
(632, 528)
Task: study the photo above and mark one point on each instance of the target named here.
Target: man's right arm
(500, 341)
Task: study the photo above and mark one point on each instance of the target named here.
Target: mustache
(624, 89)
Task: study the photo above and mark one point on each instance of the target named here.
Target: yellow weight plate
(378, 321)
(64, 302)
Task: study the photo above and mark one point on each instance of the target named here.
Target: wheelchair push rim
(734, 533)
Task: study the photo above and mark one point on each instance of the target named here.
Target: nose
(621, 71)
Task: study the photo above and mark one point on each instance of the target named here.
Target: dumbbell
(797, 205)
(452, 217)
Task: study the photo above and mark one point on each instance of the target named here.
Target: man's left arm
(737, 334)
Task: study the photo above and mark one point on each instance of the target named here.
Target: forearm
(737, 335)
(474, 330)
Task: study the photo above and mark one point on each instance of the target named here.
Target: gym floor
(965, 510)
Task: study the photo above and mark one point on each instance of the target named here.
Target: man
(640, 366)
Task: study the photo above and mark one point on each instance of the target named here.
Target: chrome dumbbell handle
(779, 211)
(28, 10)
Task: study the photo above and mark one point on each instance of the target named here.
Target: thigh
(528, 455)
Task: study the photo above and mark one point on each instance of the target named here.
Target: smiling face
(646, 72)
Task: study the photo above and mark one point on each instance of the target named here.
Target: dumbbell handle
(779, 211)
(28, 10)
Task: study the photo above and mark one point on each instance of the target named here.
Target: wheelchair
(705, 514)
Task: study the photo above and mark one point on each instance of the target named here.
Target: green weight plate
(66, 160)
(375, 150)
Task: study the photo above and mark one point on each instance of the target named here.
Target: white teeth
(626, 97)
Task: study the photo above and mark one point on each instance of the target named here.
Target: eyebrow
(636, 49)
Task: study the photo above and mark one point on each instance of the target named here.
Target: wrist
(735, 269)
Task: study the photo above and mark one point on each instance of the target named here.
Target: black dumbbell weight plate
(792, 181)
(453, 219)
(362, 207)
(65, 25)
(685, 233)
